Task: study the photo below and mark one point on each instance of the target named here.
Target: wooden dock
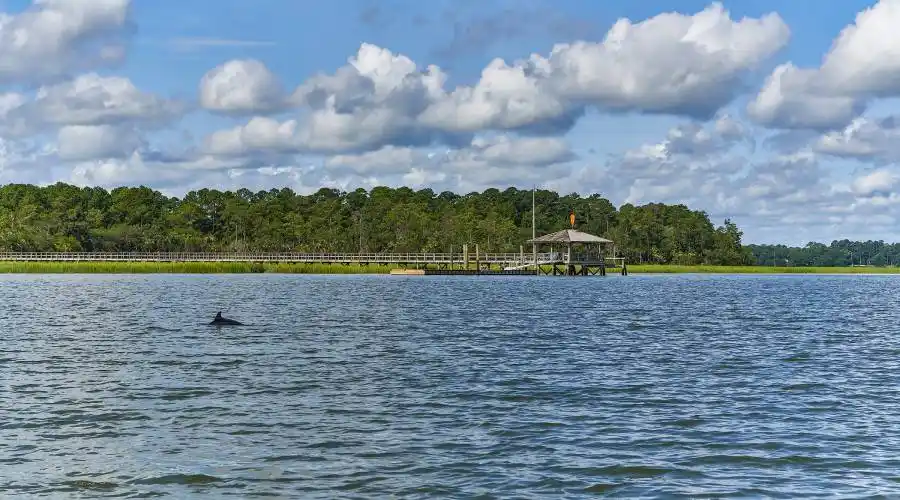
(402, 259)
(505, 259)
(465, 263)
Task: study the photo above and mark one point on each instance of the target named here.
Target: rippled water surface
(371, 387)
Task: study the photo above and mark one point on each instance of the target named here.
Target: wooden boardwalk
(502, 259)
(504, 263)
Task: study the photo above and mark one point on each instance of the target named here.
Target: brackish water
(377, 386)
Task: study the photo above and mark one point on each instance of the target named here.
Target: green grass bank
(184, 268)
(665, 269)
(242, 268)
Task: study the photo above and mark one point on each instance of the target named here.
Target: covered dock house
(576, 253)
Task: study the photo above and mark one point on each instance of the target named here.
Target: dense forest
(838, 253)
(63, 217)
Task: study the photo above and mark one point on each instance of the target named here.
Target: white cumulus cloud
(88, 142)
(881, 181)
(672, 63)
(862, 64)
(89, 99)
(241, 86)
(52, 37)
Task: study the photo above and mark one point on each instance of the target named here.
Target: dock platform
(462, 272)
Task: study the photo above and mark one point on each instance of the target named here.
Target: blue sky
(759, 111)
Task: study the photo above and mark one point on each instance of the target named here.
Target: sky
(781, 116)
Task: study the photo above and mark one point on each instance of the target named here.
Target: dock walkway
(436, 263)
(500, 259)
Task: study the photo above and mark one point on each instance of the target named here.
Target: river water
(499, 387)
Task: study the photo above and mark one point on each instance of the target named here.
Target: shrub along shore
(273, 268)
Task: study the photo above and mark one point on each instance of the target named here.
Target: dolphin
(219, 320)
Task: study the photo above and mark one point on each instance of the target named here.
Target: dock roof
(569, 236)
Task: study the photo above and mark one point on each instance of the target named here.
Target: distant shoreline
(7, 267)
(671, 269)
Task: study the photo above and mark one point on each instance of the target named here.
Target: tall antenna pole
(534, 232)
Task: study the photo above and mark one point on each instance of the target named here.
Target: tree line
(838, 253)
(67, 218)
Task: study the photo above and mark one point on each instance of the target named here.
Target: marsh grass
(185, 268)
(665, 269)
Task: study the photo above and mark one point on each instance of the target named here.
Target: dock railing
(333, 258)
(505, 260)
